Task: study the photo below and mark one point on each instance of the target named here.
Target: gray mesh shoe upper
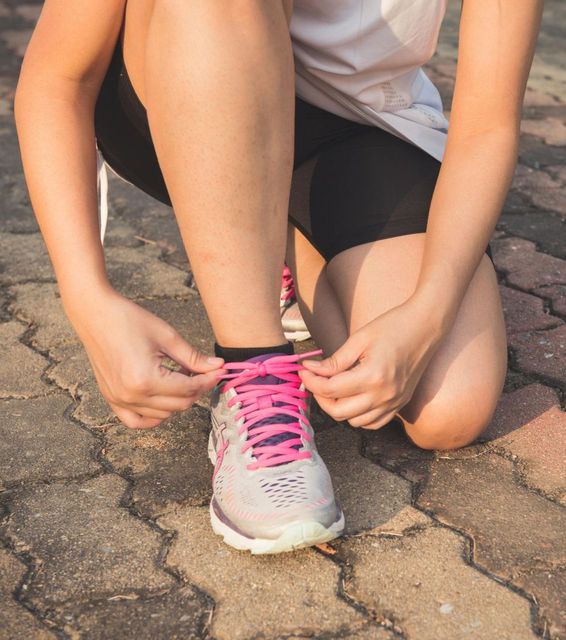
(260, 489)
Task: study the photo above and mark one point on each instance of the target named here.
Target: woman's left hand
(390, 355)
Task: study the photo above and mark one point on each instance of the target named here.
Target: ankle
(238, 354)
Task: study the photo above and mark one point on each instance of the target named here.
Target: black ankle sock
(237, 354)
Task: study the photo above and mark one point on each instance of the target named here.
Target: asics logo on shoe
(219, 442)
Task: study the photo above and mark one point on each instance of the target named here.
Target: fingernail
(312, 363)
(217, 361)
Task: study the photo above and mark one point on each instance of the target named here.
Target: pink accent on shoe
(221, 451)
(257, 403)
(287, 285)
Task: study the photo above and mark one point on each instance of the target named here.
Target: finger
(369, 417)
(166, 404)
(134, 420)
(188, 357)
(149, 412)
(365, 418)
(348, 408)
(358, 414)
(374, 417)
(179, 385)
(326, 404)
(381, 422)
(341, 385)
(342, 359)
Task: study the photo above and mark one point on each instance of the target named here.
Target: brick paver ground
(104, 532)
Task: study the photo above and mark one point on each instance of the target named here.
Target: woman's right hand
(125, 345)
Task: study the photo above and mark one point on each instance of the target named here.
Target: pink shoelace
(258, 402)
(287, 285)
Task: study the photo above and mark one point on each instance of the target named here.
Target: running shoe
(271, 490)
(294, 326)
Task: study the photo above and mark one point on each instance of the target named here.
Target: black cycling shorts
(365, 183)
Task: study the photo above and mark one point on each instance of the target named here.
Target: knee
(449, 423)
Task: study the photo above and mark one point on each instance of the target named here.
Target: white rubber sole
(296, 536)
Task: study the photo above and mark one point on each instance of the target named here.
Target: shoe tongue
(281, 418)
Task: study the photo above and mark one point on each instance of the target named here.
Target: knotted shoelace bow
(261, 404)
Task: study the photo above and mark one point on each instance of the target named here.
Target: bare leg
(220, 98)
(317, 300)
(460, 388)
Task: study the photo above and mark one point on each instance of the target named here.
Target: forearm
(496, 46)
(56, 133)
(476, 174)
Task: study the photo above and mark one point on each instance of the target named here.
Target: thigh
(464, 379)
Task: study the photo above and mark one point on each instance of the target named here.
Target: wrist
(80, 299)
(436, 307)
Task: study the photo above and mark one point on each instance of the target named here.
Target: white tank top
(361, 59)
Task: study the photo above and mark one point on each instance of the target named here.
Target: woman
(195, 103)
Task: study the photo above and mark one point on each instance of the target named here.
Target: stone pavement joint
(541, 189)
(491, 505)
(545, 228)
(528, 426)
(283, 593)
(71, 528)
(68, 368)
(140, 273)
(352, 474)
(53, 616)
(39, 306)
(182, 613)
(551, 130)
(22, 255)
(71, 371)
(53, 447)
(151, 222)
(525, 267)
(422, 580)
(168, 467)
(17, 621)
(21, 373)
(542, 354)
(51, 336)
(524, 312)
(390, 448)
(480, 496)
